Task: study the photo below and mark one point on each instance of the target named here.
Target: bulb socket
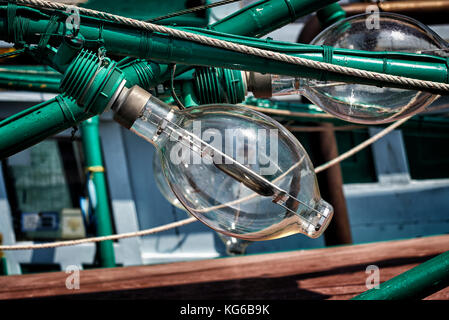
(129, 105)
(259, 84)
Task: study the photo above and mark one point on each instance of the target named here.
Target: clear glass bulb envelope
(236, 170)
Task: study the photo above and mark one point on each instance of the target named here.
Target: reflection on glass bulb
(162, 184)
(208, 152)
(234, 246)
(357, 102)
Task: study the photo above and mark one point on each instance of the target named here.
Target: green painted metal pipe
(259, 19)
(3, 267)
(419, 282)
(79, 83)
(330, 14)
(90, 136)
(188, 93)
(91, 90)
(166, 49)
(41, 121)
(88, 92)
(262, 17)
(32, 78)
(139, 72)
(33, 125)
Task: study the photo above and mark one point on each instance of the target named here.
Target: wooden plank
(328, 273)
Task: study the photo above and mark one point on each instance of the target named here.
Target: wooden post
(331, 188)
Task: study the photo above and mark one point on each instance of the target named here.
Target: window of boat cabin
(46, 189)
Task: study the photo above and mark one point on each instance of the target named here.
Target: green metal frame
(417, 283)
(33, 125)
(262, 17)
(166, 49)
(90, 136)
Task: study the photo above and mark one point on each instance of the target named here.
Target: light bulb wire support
(184, 222)
(172, 87)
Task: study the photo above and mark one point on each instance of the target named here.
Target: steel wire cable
(192, 10)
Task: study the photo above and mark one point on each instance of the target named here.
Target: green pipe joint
(91, 85)
(330, 14)
(93, 81)
(217, 85)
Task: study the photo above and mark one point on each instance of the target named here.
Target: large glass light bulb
(371, 104)
(366, 103)
(209, 152)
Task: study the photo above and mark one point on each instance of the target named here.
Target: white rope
(99, 239)
(184, 222)
(361, 146)
(398, 80)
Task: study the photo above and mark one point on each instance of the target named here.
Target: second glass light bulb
(357, 102)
